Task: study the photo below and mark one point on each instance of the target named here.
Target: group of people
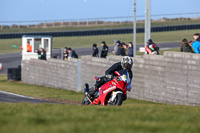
(104, 51)
(123, 49)
(41, 54)
(69, 53)
(119, 49)
(191, 46)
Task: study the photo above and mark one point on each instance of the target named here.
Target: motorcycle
(113, 92)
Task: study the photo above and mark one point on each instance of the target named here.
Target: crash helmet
(127, 62)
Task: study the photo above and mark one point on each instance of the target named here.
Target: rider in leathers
(125, 64)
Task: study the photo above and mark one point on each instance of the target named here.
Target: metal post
(134, 30)
(147, 21)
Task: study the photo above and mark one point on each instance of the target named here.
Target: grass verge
(87, 41)
(133, 116)
(129, 25)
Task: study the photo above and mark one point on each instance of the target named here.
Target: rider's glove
(108, 76)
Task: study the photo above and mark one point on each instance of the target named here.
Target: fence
(102, 32)
(94, 21)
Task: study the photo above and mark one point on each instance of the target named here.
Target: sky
(27, 10)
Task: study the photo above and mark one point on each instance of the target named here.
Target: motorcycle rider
(125, 64)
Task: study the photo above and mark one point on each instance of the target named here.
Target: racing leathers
(109, 74)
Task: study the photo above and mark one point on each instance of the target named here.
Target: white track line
(16, 94)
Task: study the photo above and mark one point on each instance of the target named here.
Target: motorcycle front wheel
(118, 100)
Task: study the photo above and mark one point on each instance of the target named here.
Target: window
(46, 45)
(37, 44)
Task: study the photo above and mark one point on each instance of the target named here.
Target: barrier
(172, 78)
(102, 31)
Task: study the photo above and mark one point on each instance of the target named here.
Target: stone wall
(172, 78)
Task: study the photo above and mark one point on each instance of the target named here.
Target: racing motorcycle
(113, 92)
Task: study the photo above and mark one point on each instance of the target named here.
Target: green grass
(133, 116)
(130, 25)
(87, 41)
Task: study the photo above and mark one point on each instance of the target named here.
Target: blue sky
(25, 10)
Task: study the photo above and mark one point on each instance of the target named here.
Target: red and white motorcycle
(113, 92)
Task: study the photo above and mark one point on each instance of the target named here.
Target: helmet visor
(127, 66)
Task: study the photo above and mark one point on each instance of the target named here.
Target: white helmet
(126, 62)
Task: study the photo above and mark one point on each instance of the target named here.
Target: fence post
(18, 26)
(78, 23)
(27, 24)
(70, 23)
(79, 81)
(112, 21)
(62, 24)
(96, 22)
(35, 24)
(87, 22)
(10, 25)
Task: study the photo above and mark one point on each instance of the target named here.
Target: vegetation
(87, 41)
(164, 22)
(133, 116)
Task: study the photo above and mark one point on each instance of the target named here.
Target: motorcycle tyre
(85, 101)
(119, 99)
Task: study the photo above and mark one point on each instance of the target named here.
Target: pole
(147, 21)
(134, 30)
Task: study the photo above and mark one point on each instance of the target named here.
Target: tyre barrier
(102, 31)
(14, 73)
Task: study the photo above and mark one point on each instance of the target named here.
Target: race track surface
(15, 98)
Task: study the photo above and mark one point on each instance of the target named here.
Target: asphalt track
(15, 98)
(13, 60)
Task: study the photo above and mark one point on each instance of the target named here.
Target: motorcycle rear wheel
(85, 101)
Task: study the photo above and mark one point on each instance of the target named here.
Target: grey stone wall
(172, 78)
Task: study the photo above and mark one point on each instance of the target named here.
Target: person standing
(130, 49)
(116, 47)
(43, 54)
(124, 49)
(71, 53)
(39, 53)
(95, 51)
(196, 44)
(185, 47)
(104, 51)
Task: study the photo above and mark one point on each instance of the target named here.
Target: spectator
(196, 44)
(95, 51)
(124, 49)
(190, 43)
(43, 54)
(117, 48)
(104, 51)
(65, 54)
(185, 47)
(39, 53)
(151, 48)
(71, 53)
(130, 49)
(29, 47)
